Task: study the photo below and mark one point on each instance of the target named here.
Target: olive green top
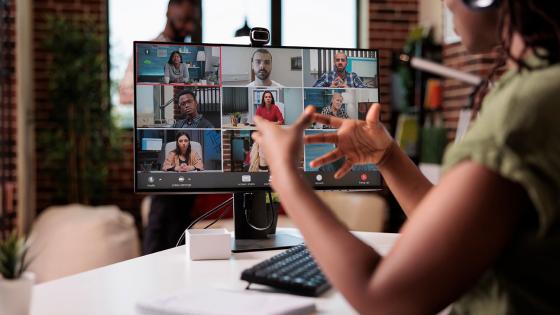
(517, 135)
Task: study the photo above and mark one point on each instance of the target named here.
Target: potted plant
(235, 118)
(15, 282)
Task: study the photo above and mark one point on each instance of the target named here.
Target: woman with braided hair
(486, 239)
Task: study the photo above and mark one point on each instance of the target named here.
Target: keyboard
(293, 271)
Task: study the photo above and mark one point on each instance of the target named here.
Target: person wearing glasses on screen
(336, 108)
(183, 159)
(339, 77)
(188, 107)
(261, 63)
(486, 238)
(175, 71)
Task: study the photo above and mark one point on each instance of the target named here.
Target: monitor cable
(204, 216)
(274, 215)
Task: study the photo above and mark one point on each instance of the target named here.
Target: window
(130, 20)
(325, 23)
(220, 19)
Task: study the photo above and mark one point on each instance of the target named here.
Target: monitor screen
(195, 103)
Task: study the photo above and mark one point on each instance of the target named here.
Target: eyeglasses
(481, 4)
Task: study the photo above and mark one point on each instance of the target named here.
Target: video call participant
(339, 77)
(336, 108)
(175, 71)
(268, 109)
(189, 109)
(183, 16)
(258, 161)
(183, 158)
(261, 63)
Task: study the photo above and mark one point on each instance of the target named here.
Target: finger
(327, 120)
(343, 170)
(332, 156)
(257, 136)
(373, 114)
(305, 119)
(262, 123)
(321, 138)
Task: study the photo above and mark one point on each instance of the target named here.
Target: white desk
(114, 289)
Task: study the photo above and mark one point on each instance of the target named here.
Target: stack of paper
(222, 302)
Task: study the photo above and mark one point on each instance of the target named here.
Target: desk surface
(114, 289)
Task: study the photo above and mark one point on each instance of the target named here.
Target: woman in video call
(486, 238)
(175, 71)
(182, 159)
(268, 109)
(336, 108)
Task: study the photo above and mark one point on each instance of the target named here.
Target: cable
(271, 209)
(202, 217)
(218, 219)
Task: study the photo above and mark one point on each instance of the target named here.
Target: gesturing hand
(360, 142)
(282, 146)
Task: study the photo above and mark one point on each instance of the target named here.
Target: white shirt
(273, 84)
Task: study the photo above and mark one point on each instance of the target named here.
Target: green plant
(13, 256)
(81, 144)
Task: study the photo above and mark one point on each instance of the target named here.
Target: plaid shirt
(327, 110)
(352, 80)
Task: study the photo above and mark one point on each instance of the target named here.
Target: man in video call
(183, 17)
(189, 109)
(261, 63)
(339, 77)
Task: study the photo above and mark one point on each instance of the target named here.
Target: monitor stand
(255, 225)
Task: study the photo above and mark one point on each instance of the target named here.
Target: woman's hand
(282, 146)
(360, 142)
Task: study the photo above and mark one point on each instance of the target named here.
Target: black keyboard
(294, 271)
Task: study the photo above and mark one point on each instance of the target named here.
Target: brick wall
(120, 179)
(8, 201)
(226, 142)
(389, 24)
(455, 93)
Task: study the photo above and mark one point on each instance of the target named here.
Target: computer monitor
(194, 108)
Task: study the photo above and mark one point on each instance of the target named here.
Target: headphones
(481, 4)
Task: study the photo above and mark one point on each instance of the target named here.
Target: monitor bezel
(170, 191)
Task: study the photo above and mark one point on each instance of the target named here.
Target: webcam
(260, 36)
(481, 4)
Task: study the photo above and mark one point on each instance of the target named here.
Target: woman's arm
(457, 233)
(403, 178)
(279, 117)
(196, 161)
(166, 73)
(169, 163)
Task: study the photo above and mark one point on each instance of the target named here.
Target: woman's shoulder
(524, 99)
